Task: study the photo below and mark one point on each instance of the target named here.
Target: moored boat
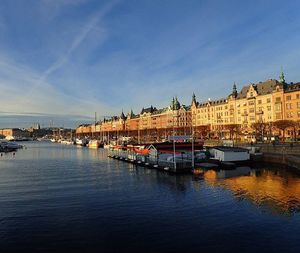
(94, 144)
(7, 146)
(82, 142)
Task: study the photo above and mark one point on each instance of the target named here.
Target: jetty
(181, 159)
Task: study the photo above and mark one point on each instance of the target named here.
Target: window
(269, 100)
(251, 110)
(278, 99)
(298, 96)
(259, 102)
(269, 108)
(278, 115)
(251, 103)
(288, 97)
(278, 107)
(288, 106)
(298, 114)
(298, 104)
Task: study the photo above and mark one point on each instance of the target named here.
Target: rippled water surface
(65, 198)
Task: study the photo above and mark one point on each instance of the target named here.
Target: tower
(194, 102)
(281, 77)
(234, 91)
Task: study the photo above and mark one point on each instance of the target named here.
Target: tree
(260, 128)
(233, 129)
(295, 128)
(201, 131)
(283, 125)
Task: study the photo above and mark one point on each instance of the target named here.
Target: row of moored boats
(85, 142)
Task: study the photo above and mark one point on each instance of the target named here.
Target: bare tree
(283, 125)
(259, 128)
(233, 129)
(202, 131)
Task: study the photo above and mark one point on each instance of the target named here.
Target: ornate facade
(239, 114)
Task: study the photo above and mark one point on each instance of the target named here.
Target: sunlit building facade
(255, 108)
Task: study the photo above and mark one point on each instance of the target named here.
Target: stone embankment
(286, 154)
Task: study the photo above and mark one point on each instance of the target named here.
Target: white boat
(52, 140)
(79, 141)
(107, 146)
(10, 138)
(82, 142)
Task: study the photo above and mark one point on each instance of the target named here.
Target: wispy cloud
(77, 41)
(81, 56)
(16, 82)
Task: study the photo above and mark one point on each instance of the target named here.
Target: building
(14, 132)
(253, 111)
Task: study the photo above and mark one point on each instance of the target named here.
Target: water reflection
(272, 190)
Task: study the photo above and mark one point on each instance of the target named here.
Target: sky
(63, 60)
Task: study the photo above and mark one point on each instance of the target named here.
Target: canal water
(58, 198)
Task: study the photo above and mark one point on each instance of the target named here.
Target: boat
(94, 144)
(82, 142)
(7, 146)
(107, 146)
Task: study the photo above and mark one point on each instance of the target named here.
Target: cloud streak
(78, 40)
(78, 57)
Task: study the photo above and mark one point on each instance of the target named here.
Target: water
(70, 199)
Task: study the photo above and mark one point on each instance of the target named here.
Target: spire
(122, 115)
(234, 91)
(194, 102)
(281, 77)
(176, 104)
(131, 114)
(172, 106)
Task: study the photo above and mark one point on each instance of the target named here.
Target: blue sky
(72, 58)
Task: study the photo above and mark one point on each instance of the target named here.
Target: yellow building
(254, 111)
(255, 106)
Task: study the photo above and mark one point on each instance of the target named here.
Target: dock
(178, 167)
(164, 160)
